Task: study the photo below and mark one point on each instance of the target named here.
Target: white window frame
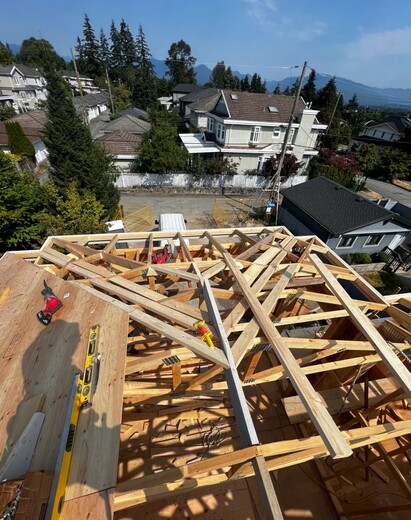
(255, 134)
(23, 95)
(220, 132)
(291, 136)
(339, 246)
(16, 79)
(367, 242)
(210, 124)
(276, 132)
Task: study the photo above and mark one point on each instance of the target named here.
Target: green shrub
(380, 257)
(361, 258)
(347, 258)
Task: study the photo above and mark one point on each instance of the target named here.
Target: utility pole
(109, 91)
(333, 113)
(275, 193)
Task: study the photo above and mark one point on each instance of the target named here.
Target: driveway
(196, 208)
(390, 191)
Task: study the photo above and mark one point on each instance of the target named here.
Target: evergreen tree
(18, 141)
(257, 86)
(277, 90)
(245, 84)
(128, 54)
(104, 51)
(294, 88)
(72, 154)
(308, 92)
(6, 113)
(21, 206)
(6, 55)
(180, 63)
(231, 81)
(145, 82)
(91, 58)
(286, 91)
(217, 77)
(159, 151)
(115, 52)
(39, 54)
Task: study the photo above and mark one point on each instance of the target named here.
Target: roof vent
(273, 109)
(234, 96)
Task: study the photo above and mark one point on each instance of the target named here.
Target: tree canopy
(6, 54)
(39, 53)
(180, 63)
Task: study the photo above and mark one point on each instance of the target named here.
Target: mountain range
(367, 96)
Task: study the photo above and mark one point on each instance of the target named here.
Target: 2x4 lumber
(340, 345)
(171, 271)
(318, 413)
(111, 245)
(184, 248)
(245, 424)
(329, 299)
(335, 398)
(180, 337)
(365, 326)
(250, 332)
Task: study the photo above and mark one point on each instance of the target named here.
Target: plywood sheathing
(179, 430)
(38, 367)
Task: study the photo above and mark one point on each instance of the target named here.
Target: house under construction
(253, 374)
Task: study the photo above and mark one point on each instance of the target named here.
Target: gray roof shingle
(334, 207)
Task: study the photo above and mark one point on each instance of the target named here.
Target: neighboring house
(87, 84)
(122, 136)
(250, 128)
(394, 131)
(24, 85)
(32, 123)
(347, 222)
(182, 89)
(123, 146)
(92, 105)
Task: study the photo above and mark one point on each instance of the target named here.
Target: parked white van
(173, 222)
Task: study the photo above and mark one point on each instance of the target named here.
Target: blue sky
(368, 41)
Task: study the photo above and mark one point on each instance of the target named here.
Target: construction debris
(308, 363)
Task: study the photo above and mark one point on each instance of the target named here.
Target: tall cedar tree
(6, 55)
(104, 51)
(257, 86)
(91, 51)
(116, 61)
(21, 204)
(39, 54)
(128, 54)
(18, 141)
(308, 92)
(145, 82)
(217, 77)
(245, 84)
(72, 154)
(180, 63)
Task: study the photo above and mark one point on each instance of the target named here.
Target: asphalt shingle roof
(127, 123)
(248, 106)
(120, 143)
(334, 207)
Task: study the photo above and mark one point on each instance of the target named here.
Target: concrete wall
(183, 180)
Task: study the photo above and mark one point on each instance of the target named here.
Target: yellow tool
(206, 335)
(84, 387)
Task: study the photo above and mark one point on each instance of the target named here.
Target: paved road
(390, 191)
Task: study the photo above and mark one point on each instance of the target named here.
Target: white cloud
(378, 44)
(260, 10)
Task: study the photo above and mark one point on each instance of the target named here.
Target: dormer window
(255, 134)
(16, 80)
(210, 125)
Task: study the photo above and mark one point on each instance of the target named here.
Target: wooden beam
(321, 418)
(365, 326)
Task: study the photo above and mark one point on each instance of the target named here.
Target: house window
(23, 95)
(255, 134)
(346, 242)
(16, 80)
(291, 136)
(220, 132)
(276, 132)
(210, 125)
(373, 240)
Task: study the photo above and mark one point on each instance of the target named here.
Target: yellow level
(84, 387)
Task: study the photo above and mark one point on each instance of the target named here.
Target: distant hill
(367, 96)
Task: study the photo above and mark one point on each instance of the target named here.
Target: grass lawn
(384, 282)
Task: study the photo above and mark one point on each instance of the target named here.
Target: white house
(250, 128)
(24, 85)
(87, 84)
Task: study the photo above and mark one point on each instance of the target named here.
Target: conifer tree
(18, 141)
(91, 50)
(6, 55)
(180, 63)
(72, 154)
(104, 50)
(115, 51)
(308, 92)
(257, 85)
(218, 74)
(245, 84)
(145, 82)
(277, 90)
(39, 54)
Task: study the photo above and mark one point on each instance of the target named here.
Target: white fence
(184, 180)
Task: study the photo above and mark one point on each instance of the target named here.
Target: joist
(319, 415)
(365, 326)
